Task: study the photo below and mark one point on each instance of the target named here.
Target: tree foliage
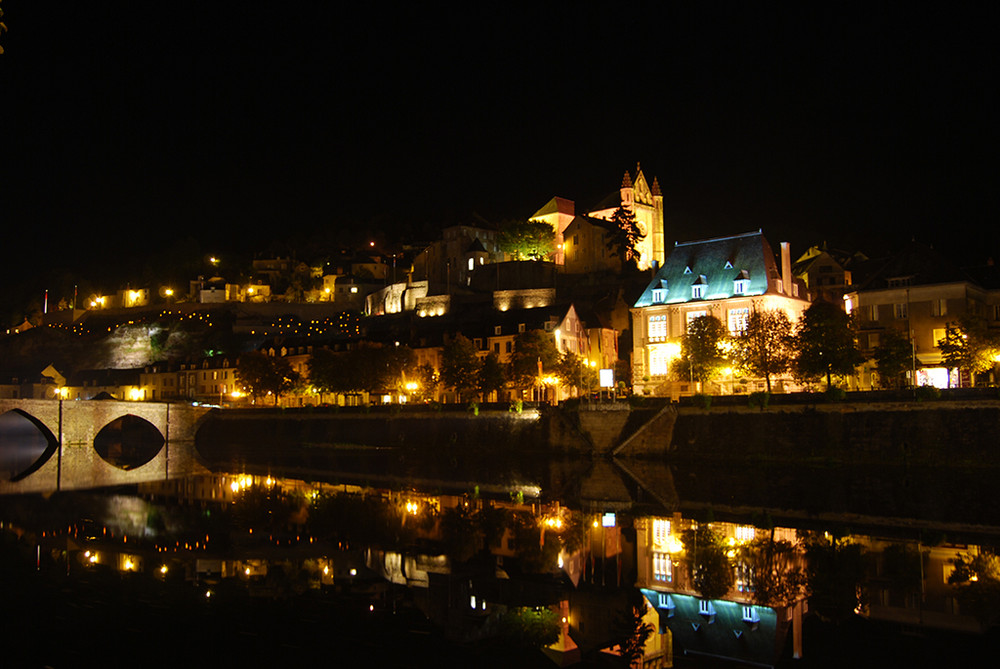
(369, 367)
(574, 371)
(713, 574)
(460, 365)
(631, 628)
(260, 374)
(776, 576)
(976, 583)
(893, 356)
(492, 375)
(969, 345)
(529, 627)
(527, 240)
(825, 344)
(764, 347)
(625, 235)
(836, 572)
(534, 352)
(702, 353)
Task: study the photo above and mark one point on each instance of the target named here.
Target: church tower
(646, 203)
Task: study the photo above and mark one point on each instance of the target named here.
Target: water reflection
(491, 572)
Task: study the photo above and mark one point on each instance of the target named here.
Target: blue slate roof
(715, 264)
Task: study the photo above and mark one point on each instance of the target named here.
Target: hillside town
(577, 301)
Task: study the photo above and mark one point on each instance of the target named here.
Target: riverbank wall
(925, 434)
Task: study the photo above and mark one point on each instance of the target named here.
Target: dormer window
(659, 295)
(698, 288)
(729, 265)
(687, 270)
(741, 284)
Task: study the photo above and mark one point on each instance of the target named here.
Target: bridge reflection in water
(49, 445)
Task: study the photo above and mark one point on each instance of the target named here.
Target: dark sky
(128, 126)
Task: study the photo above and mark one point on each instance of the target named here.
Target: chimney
(786, 268)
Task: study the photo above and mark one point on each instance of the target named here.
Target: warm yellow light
(129, 565)
(163, 569)
(168, 292)
(234, 486)
(412, 386)
(135, 394)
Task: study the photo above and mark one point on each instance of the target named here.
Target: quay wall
(926, 434)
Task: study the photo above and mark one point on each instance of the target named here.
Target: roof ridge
(720, 239)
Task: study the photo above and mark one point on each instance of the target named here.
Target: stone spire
(656, 187)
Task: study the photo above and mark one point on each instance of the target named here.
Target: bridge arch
(26, 444)
(129, 442)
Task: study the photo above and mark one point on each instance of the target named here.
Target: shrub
(761, 399)
(516, 406)
(473, 408)
(927, 393)
(701, 400)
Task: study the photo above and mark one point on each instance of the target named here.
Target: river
(378, 556)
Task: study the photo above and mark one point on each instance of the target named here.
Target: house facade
(726, 277)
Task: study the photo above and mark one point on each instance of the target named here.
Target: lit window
(657, 328)
(662, 568)
(661, 531)
(659, 295)
(738, 319)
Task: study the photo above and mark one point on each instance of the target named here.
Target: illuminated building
(727, 278)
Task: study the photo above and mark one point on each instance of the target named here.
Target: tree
(574, 371)
(702, 354)
(625, 235)
(492, 375)
(825, 344)
(527, 240)
(460, 365)
(534, 353)
(260, 374)
(776, 578)
(427, 380)
(369, 367)
(969, 345)
(713, 574)
(632, 629)
(893, 356)
(764, 347)
(527, 627)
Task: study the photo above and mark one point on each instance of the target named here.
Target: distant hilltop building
(645, 201)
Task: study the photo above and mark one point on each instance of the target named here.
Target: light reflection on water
(462, 554)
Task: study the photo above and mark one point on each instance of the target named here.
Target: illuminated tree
(713, 574)
(702, 354)
(574, 371)
(527, 240)
(764, 347)
(534, 353)
(825, 344)
(969, 345)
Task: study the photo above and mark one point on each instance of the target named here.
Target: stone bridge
(49, 445)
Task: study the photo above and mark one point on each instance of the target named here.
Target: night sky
(131, 126)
